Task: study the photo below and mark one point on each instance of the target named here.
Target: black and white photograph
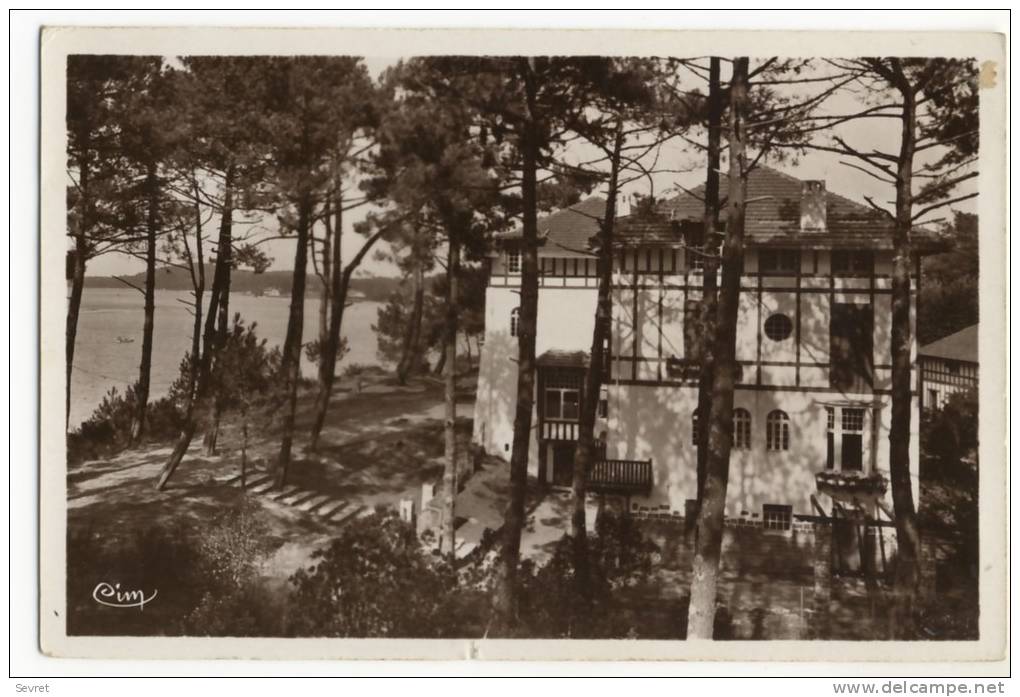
(675, 346)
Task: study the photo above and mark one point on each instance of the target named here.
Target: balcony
(559, 430)
(621, 477)
(851, 487)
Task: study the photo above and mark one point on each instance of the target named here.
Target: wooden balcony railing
(621, 477)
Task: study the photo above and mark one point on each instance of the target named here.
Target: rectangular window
(513, 262)
(693, 336)
(830, 438)
(779, 261)
(553, 404)
(853, 440)
(741, 429)
(694, 240)
(571, 404)
(604, 403)
(563, 395)
(851, 347)
(852, 263)
(776, 517)
(844, 439)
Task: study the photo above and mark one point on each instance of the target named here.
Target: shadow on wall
(496, 398)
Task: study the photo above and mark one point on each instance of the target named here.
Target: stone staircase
(332, 511)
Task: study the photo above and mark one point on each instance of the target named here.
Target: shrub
(950, 434)
(154, 558)
(234, 601)
(376, 579)
(621, 559)
(107, 431)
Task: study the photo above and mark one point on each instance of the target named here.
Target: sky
(868, 134)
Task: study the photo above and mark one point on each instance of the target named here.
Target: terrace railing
(621, 477)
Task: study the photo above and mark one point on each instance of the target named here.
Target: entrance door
(563, 464)
(851, 355)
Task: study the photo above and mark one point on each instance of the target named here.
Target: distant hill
(373, 288)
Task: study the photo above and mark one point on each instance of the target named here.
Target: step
(286, 492)
(328, 502)
(254, 481)
(330, 511)
(303, 498)
(298, 495)
(311, 504)
(263, 486)
(351, 514)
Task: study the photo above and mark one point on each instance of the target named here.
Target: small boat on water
(125, 340)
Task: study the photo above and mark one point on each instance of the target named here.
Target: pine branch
(878, 208)
(935, 206)
(129, 284)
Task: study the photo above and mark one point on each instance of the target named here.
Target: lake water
(102, 362)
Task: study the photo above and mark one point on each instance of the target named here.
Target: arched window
(741, 429)
(777, 431)
(515, 320)
(695, 426)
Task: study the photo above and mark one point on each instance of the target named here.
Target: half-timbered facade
(812, 345)
(949, 366)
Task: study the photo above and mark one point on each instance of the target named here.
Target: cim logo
(112, 596)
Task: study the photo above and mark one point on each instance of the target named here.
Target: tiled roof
(555, 358)
(567, 231)
(961, 346)
(773, 217)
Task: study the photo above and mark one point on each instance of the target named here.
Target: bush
(950, 434)
(230, 556)
(107, 431)
(208, 579)
(155, 558)
(376, 579)
(949, 511)
(621, 559)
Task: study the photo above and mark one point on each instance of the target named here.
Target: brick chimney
(812, 206)
(622, 205)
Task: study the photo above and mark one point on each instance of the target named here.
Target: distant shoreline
(267, 284)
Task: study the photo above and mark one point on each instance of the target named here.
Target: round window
(778, 327)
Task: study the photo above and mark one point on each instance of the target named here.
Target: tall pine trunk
(326, 292)
(705, 573)
(339, 280)
(907, 533)
(221, 278)
(290, 362)
(196, 332)
(77, 273)
(145, 366)
(409, 356)
(450, 395)
(506, 591)
(78, 259)
(222, 315)
(585, 454)
(709, 294)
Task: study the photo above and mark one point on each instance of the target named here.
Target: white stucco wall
(566, 318)
(654, 421)
(647, 422)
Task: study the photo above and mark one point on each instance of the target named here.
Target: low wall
(803, 583)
